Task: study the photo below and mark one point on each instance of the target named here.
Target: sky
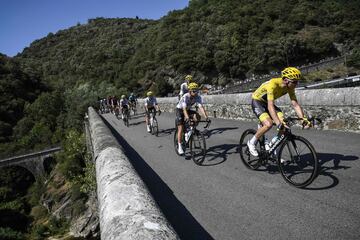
(23, 21)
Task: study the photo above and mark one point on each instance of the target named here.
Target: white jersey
(124, 102)
(186, 101)
(150, 102)
(183, 89)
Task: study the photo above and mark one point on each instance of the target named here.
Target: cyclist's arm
(297, 108)
(203, 112)
(186, 114)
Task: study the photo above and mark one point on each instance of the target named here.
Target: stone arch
(49, 163)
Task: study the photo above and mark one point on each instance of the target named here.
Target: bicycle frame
(284, 135)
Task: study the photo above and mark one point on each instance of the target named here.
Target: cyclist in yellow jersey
(266, 111)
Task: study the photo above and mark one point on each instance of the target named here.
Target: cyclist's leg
(260, 110)
(147, 120)
(180, 124)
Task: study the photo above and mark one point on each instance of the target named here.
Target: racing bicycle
(195, 140)
(126, 116)
(154, 126)
(294, 155)
(133, 107)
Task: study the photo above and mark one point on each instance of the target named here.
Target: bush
(10, 234)
(38, 212)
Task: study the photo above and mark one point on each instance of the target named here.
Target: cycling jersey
(183, 89)
(272, 90)
(186, 101)
(150, 102)
(132, 98)
(124, 102)
(114, 101)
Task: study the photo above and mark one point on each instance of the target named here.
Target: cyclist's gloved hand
(306, 123)
(280, 127)
(207, 119)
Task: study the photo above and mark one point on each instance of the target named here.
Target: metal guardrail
(336, 83)
(250, 85)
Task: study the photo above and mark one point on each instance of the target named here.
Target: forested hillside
(16, 90)
(216, 40)
(46, 89)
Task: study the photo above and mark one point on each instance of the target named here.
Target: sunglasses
(293, 82)
(195, 91)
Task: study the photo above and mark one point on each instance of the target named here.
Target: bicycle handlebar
(291, 120)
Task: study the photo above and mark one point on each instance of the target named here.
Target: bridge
(33, 162)
(222, 199)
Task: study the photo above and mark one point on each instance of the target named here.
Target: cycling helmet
(193, 86)
(123, 96)
(131, 94)
(291, 73)
(149, 93)
(189, 78)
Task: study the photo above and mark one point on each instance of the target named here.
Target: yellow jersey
(272, 90)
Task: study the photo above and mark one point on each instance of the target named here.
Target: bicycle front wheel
(155, 128)
(198, 147)
(297, 161)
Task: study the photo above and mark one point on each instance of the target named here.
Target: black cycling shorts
(261, 110)
(149, 110)
(180, 118)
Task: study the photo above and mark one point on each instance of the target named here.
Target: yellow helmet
(149, 93)
(291, 73)
(193, 86)
(123, 96)
(189, 78)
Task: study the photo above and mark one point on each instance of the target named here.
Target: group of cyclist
(262, 103)
(115, 105)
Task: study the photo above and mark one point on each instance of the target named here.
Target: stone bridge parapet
(126, 208)
(338, 108)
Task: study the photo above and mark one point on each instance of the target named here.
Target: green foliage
(53, 227)
(10, 234)
(35, 192)
(71, 159)
(354, 59)
(14, 183)
(39, 212)
(228, 38)
(17, 88)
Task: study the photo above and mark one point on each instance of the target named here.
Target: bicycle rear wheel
(298, 162)
(155, 127)
(183, 143)
(249, 161)
(198, 147)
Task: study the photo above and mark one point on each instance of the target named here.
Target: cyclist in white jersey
(184, 86)
(183, 112)
(124, 104)
(150, 105)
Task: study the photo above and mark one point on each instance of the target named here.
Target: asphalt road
(225, 200)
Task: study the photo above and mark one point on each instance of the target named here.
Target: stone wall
(126, 208)
(337, 108)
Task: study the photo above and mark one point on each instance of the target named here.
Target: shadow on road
(179, 217)
(166, 132)
(209, 132)
(328, 170)
(218, 154)
(137, 116)
(136, 123)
